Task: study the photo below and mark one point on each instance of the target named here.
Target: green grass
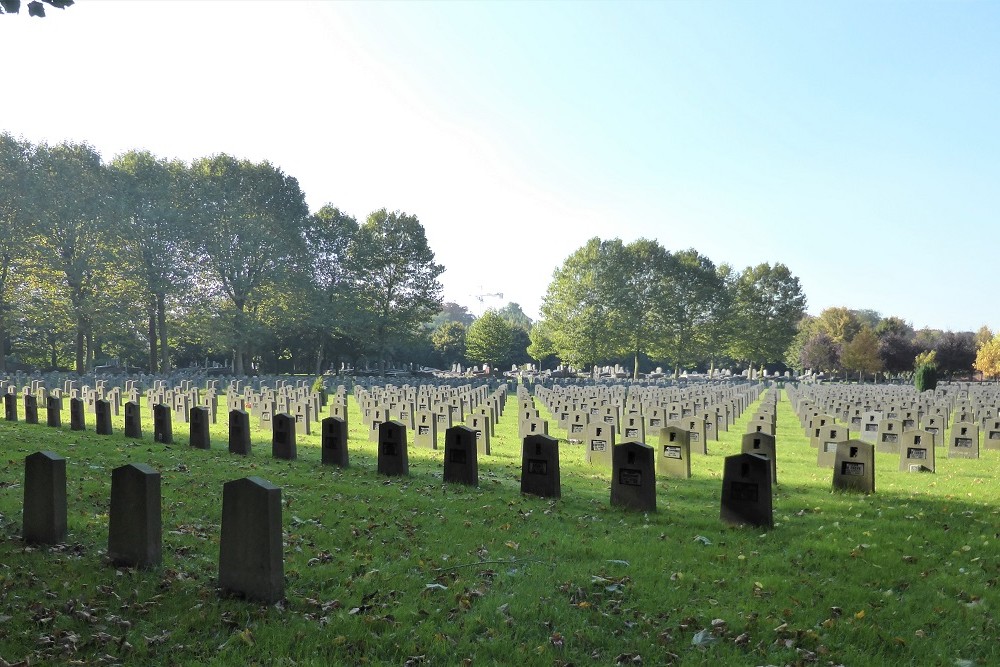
(412, 571)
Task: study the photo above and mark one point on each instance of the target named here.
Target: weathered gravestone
(44, 509)
(239, 432)
(869, 426)
(674, 452)
(934, 424)
(854, 466)
(102, 417)
(30, 408)
(77, 419)
(163, 430)
(134, 523)
(133, 420)
(964, 441)
(916, 453)
(830, 436)
(599, 440)
(991, 435)
(461, 462)
(762, 444)
(283, 444)
(393, 457)
(633, 428)
(540, 466)
(425, 433)
(199, 436)
(10, 407)
(746, 491)
(633, 476)
(53, 411)
(480, 423)
(251, 563)
(889, 433)
(333, 445)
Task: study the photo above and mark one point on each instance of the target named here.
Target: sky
(858, 143)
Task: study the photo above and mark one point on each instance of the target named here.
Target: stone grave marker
(30, 408)
(869, 426)
(674, 453)
(10, 407)
(540, 466)
(633, 428)
(934, 424)
(916, 452)
(535, 426)
(102, 419)
(333, 444)
(303, 417)
(461, 463)
(425, 433)
(77, 420)
(163, 430)
(283, 444)
(599, 440)
(53, 412)
(251, 562)
(831, 435)
(44, 508)
(393, 457)
(133, 420)
(854, 467)
(746, 491)
(991, 434)
(378, 415)
(480, 423)
(239, 432)
(199, 436)
(633, 477)
(134, 521)
(889, 433)
(762, 444)
(964, 441)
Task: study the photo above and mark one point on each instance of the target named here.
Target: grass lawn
(410, 571)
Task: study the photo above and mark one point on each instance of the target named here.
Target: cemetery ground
(413, 571)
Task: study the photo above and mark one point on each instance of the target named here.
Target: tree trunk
(151, 338)
(79, 349)
(635, 366)
(238, 330)
(3, 348)
(318, 369)
(161, 325)
(89, 337)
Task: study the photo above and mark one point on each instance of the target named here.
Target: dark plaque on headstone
(134, 528)
(283, 437)
(251, 563)
(854, 467)
(102, 417)
(393, 457)
(461, 461)
(10, 407)
(30, 409)
(77, 420)
(762, 444)
(540, 466)
(746, 491)
(199, 435)
(239, 432)
(163, 430)
(673, 457)
(53, 411)
(633, 477)
(44, 510)
(133, 420)
(334, 442)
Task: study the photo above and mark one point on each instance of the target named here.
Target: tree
(896, 350)
(804, 330)
(395, 277)
(988, 358)
(820, 353)
(15, 218)
(452, 312)
(956, 352)
(449, 342)
(541, 346)
(983, 336)
(488, 339)
(768, 303)
(693, 290)
(840, 323)
(515, 316)
(249, 223)
(861, 354)
(35, 7)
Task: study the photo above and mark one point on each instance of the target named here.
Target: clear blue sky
(856, 142)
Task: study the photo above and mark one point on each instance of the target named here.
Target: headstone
(163, 430)
(393, 457)
(134, 524)
(30, 408)
(251, 563)
(199, 437)
(102, 418)
(77, 420)
(10, 407)
(830, 436)
(333, 443)
(916, 453)
(762, 444)
(44, 509)
(633, 428)
(461, 461)
(540, 466)
(854, 466)
(133, 420)
(674, 453)
(889, 433)
(425, 433)
(599, 440)
(746, 491)
(239, 432)
(964, 442)
(283, 437)
(633, 476)
(53, 411)
(480, 423)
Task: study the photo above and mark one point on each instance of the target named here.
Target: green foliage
(449, 342)
(988, 358)
(861, 353)
(541, 346)
(768, 303)
(489, 339)
(925, 377)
